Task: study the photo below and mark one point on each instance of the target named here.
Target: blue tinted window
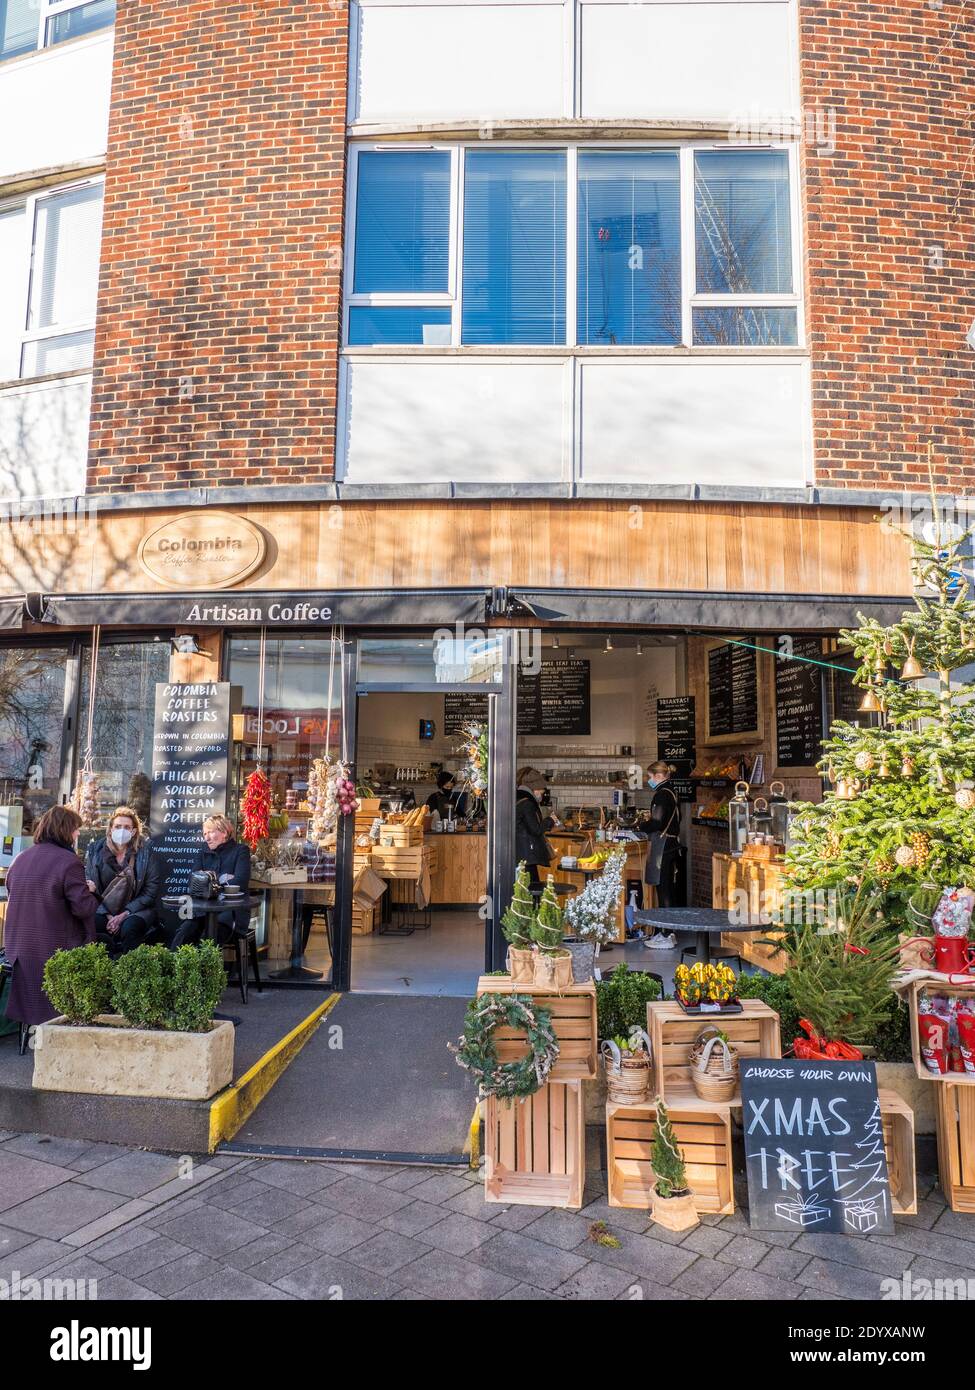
(743, 223)
(741, 326)
(406, 324)
(402, 222)
(18, 27)
(514, 247)
(84, 19)
(628, 276)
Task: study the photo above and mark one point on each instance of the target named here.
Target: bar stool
(245, 949)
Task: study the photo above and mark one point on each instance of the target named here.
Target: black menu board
(844, 696)
(556, 700)
(799, 704)
(553, 700)
(190, 759)
(732, 691)
(814, 1147)
(675, 732)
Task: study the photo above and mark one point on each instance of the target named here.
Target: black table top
(696, 919)
(220, 904)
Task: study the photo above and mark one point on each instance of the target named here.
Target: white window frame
(33, 255)
(690, 299)
(47, 10)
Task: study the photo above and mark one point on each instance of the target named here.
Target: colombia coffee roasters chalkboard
(732, 691)
(814, 1146)
(190, 757)
(799, 704)
(553, 700)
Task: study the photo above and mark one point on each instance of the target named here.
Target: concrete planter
(109, 1059)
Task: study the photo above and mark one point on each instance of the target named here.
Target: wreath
(478, 1054)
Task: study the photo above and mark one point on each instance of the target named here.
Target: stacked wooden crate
(535, 1149)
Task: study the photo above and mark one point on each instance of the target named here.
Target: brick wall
(220, 293)
(890, 238)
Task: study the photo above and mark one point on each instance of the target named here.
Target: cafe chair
(244, 947)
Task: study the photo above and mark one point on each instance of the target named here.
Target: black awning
(706, 611)
(11, 612)
(241, 608)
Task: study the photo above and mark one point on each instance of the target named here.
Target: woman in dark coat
(124, 854)
(230, 860)
(49, 908)
(664, 832)
(531, 846)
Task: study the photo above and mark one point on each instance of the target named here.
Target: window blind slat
(402, 222)
(743, 222)
(65, 281)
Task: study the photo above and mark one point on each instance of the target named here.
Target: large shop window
(27, 25)
(32, 683)
(460, 246)
(124, 710)
(49, 248)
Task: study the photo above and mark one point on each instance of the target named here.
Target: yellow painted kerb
(234, 1105)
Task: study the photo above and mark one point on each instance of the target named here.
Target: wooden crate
(400, 836)
(955, 1113)
(935, 987)
(535, 1149)
(754, 1032)
(363, 920)
(399, 862)
(898, 1121)
(704, 1137)
(573, 1018)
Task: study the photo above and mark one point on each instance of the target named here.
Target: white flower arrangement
(590, 913)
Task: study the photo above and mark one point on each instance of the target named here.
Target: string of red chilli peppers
(255, 807)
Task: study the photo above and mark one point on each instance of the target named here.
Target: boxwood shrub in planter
(160, 1041)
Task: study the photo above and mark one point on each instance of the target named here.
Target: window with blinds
(26, 25)
(402, 222)
(50, 248)
(18, 27)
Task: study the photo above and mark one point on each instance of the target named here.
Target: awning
(704, 611)
(11, 612)
(243, 608)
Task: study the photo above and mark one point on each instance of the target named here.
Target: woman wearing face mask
(49, 908)
(664, 829)
(125, 876)
(531, 846)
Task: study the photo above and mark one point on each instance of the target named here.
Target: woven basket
(714, 1066)
(627, 1077)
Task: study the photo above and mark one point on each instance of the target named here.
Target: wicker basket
(627, 1076)
(714, 1066)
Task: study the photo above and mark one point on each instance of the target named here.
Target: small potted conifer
(553, 962)
(673, 1201)
(516, 924)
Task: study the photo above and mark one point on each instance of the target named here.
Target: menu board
(844, 697)
(732, 691)
(799, 704)
(814, 1147)
(554, 700)
(675, 731)
(190, 764)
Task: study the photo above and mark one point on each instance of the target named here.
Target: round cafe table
(704, 922)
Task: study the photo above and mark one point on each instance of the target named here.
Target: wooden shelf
(703, 1133)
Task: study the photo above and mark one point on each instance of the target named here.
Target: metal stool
(245, 949)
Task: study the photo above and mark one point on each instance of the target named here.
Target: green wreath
(478, 1054)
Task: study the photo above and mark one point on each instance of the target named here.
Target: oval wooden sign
(202, 550)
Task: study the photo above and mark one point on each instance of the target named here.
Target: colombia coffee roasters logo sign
(203, 550)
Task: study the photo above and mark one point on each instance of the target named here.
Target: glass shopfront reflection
(125, 697)
(32, 716)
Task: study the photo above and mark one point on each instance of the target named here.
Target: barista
(442, 802)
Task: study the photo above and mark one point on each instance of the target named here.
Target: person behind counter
(125, 876)
(531, 846)
(49, 908)
(442, 801)
(231, 862)
(663, 828)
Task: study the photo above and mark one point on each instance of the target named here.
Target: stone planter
(108, 1059)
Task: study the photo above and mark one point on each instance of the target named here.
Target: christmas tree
(547, 927)
(900, 810)
(666, 1158)
(518, 916)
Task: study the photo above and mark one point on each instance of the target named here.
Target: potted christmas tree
(591, 916)
(672, 1199)
(553, 963)
(516, 925)
(901, 809)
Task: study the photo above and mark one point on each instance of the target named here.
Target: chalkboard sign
(732, 688)
(844, 696)
(554, 700)
(190, 758)
(814, 1147)
(675, 732)
(799, 704)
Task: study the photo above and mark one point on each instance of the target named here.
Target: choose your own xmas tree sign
(814, 1147)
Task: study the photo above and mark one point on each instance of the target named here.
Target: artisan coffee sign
(203, 550)
(190, 760)
(814, 1147)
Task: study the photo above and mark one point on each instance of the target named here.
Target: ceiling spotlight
(639, 648)
(555, 642)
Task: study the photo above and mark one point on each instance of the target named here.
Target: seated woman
(125, 876)
(231, 862)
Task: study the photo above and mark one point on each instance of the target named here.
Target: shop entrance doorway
(425, 831)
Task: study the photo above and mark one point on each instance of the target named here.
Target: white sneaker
(662, 941)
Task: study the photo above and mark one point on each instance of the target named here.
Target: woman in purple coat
(49, 907)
